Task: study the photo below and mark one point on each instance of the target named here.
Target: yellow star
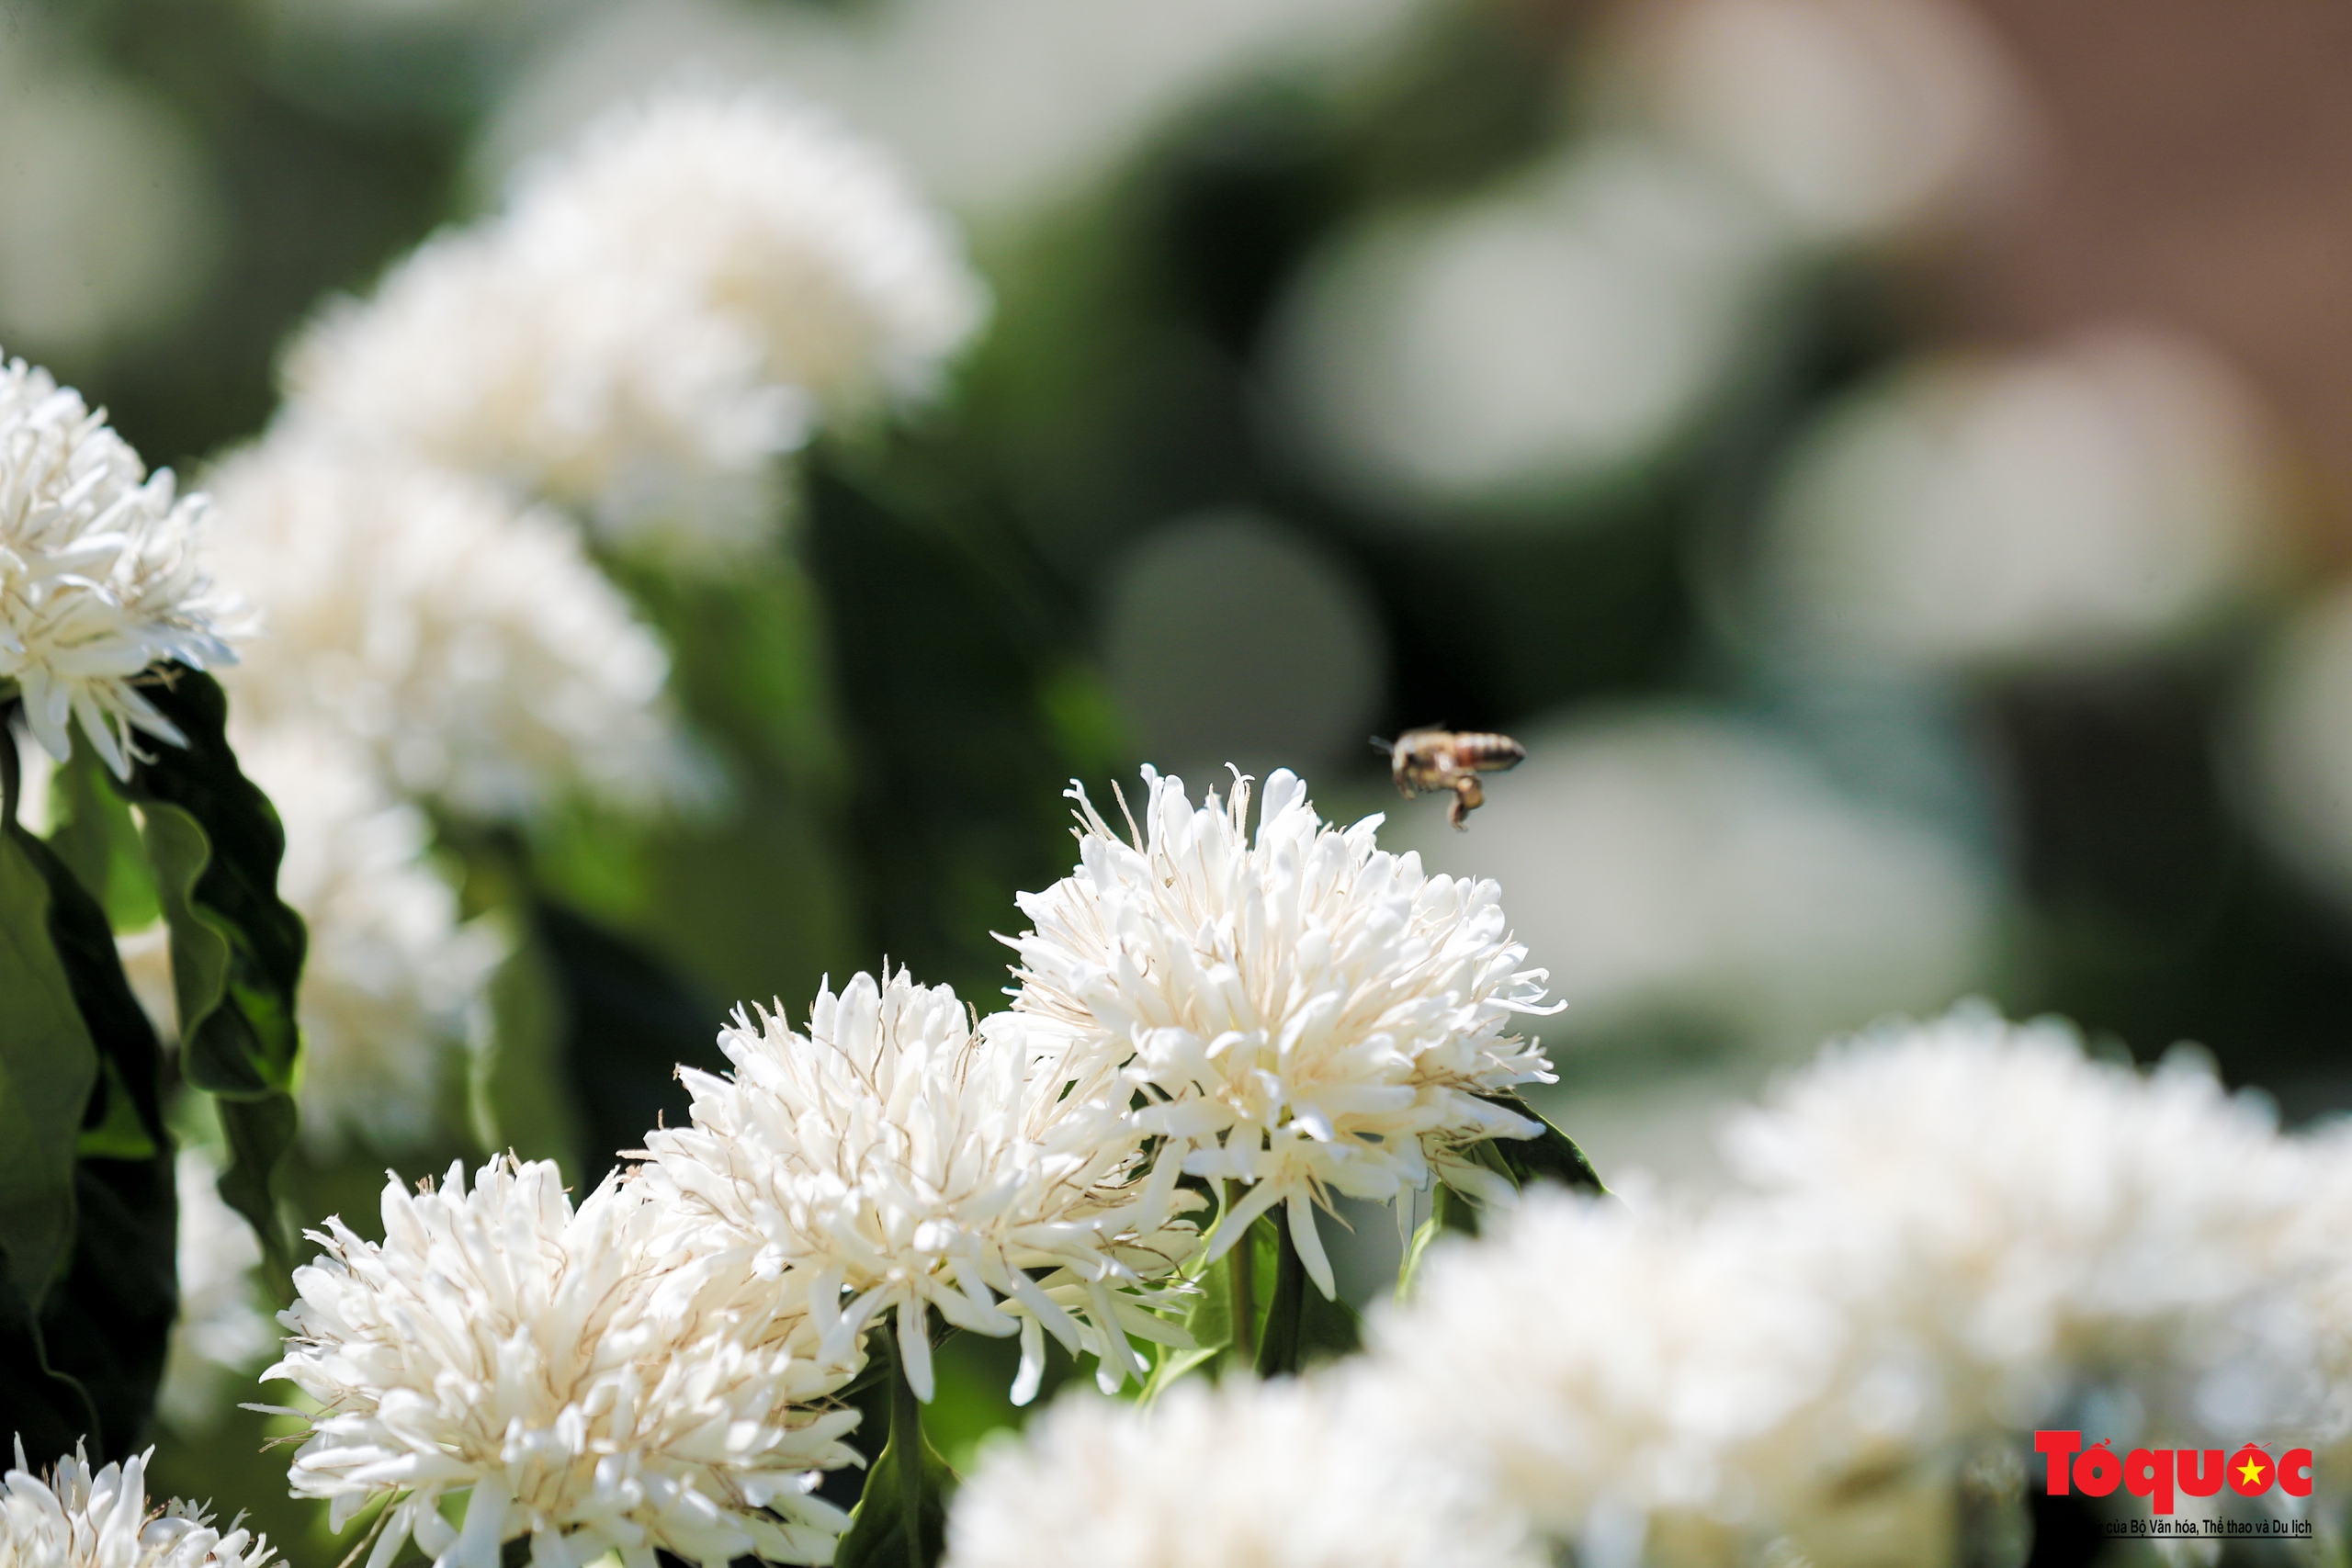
(2252, 1470)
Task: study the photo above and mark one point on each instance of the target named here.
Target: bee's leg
(1467, 797)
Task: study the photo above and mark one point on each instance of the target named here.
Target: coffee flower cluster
(658, 1369)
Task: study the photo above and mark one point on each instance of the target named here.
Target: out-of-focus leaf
(48, 1067)
(750, 661)
(237, 948)
(107, 1322)
(629, 1023)
(521, 1096)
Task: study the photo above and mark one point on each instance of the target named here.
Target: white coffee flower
(1314, 1015)
(583, 1383)
(221, 1333)
(78, 1517)
(393, 982)
(897, 1157)
(1290, 1474)
(98, 575)
(472, 649)
(655, 317)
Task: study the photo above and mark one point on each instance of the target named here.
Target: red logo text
(2157, 1474)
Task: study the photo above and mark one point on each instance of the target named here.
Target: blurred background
(1888, 460)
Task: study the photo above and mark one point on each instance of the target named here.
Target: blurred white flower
(2018, 1222)
(471, 648)
(1290, 1473)
(99, 574)
(1951, 1235)
(392, 984)
(770, 216)
(1004, 109)
(77, 1517)
(1530, 342)
(1675, 867)
(587, 1387)
(110, 220)
(221, 1333)
(505, 351)
(894, 1155)
(2076, 503)
(1858, 121)
(1311, 1015)
(1594, 1363)
(655, 317)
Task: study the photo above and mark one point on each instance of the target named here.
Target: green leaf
(1244, 1273)
(1303, 1327)
(48, 1065)
(237, 950)
(1552, 1155)
(46, 1410)
(92, 831)
(106, 1323)
(1450, 1215)
(900, 1520)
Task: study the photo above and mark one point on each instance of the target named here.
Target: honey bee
(1427, 760)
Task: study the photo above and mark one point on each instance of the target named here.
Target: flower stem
(906, 1436)
(1279, 1354)
(12, 766)
(1243, 1281)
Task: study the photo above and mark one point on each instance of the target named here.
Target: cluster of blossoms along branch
(658, 315)
(1941, 1239)
(1293, 1010)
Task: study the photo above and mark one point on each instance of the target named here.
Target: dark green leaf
(1552, 1155)
(48, 1067)
(900, 1520)
(45, 1409)
(237, 950)
(107, 1322)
